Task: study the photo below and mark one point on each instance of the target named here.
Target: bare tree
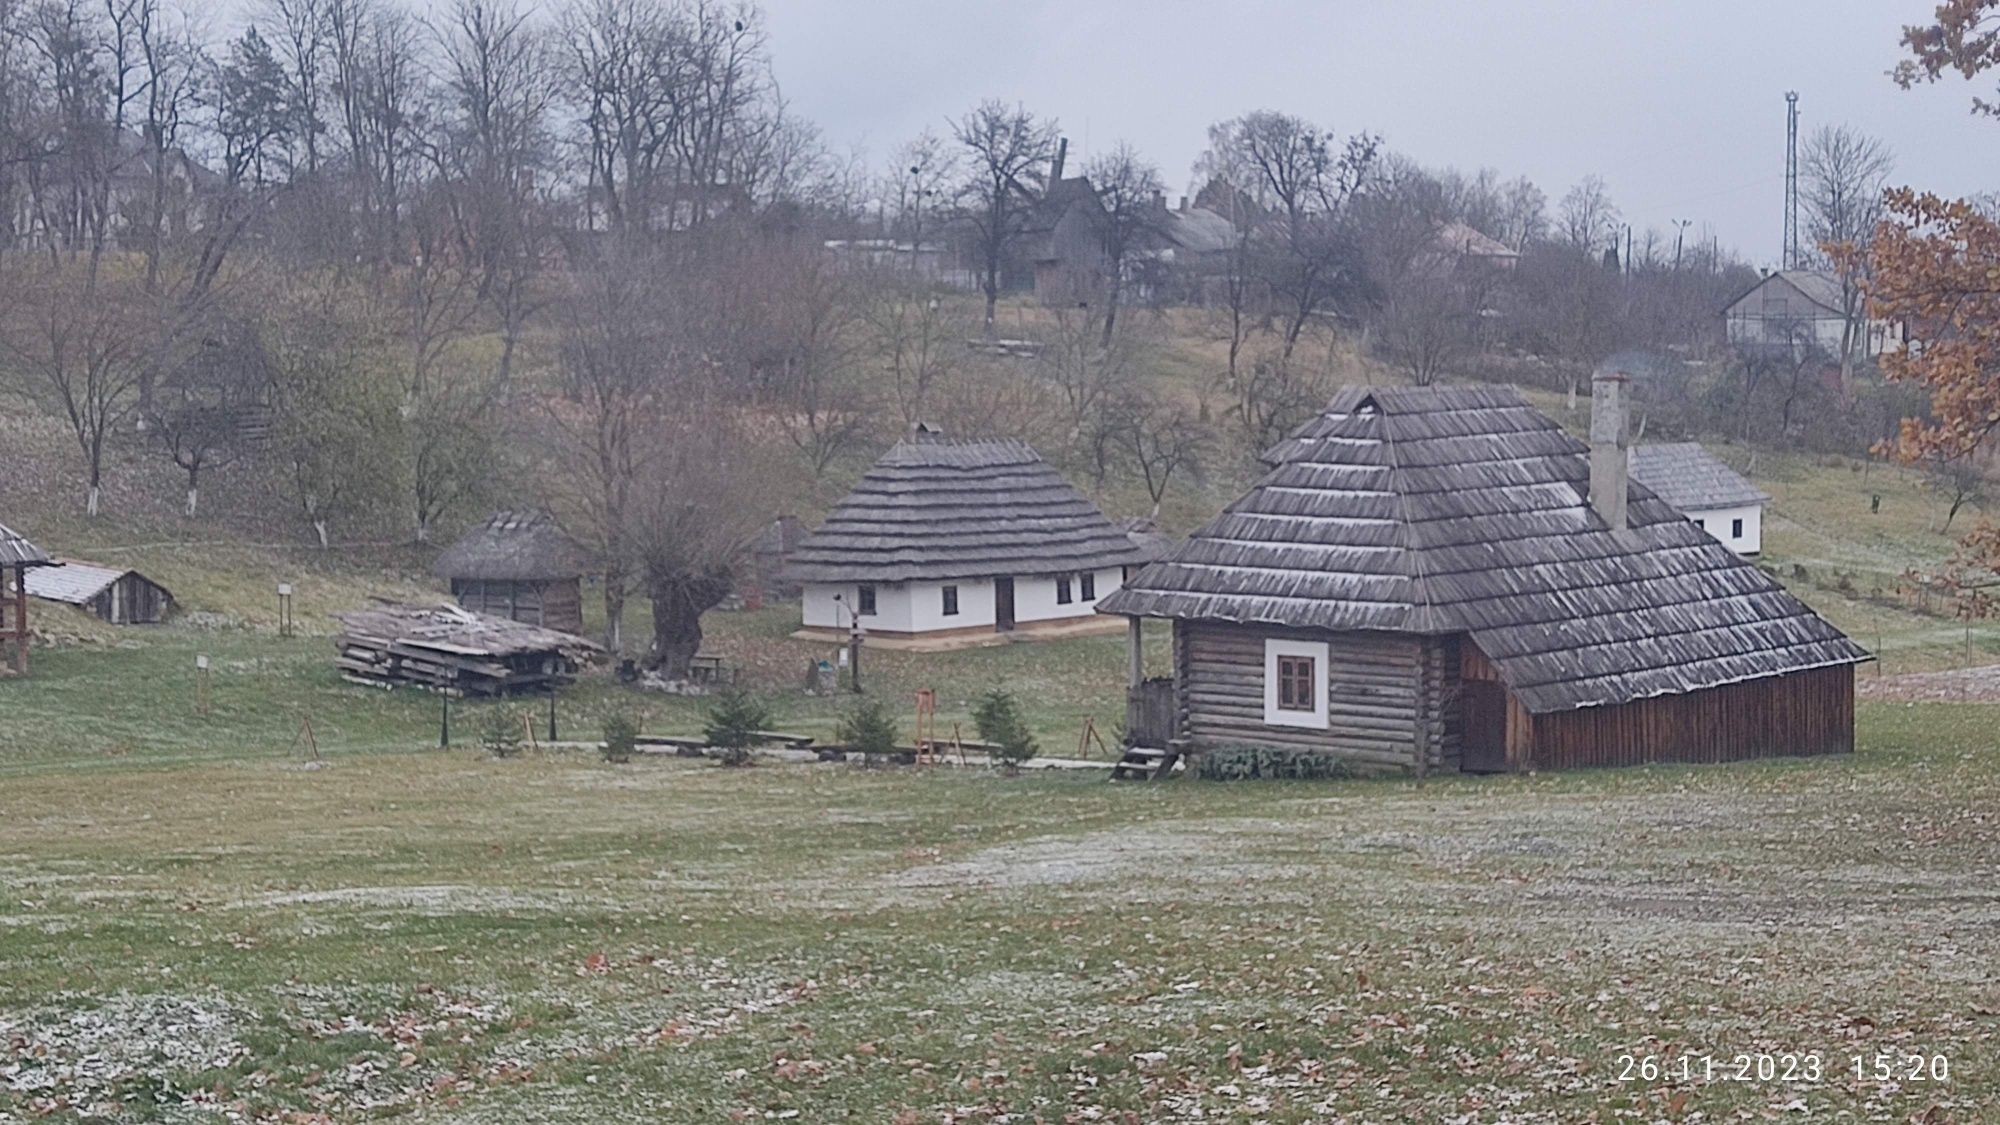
(1843, 172)
(1164, 440)
(917, 339)
(1130, 195)
(207, 390)
(1008, 151)
(1302, 176)
(1587, 220)
(920, 175)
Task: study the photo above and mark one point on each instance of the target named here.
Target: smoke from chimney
(1610, 455)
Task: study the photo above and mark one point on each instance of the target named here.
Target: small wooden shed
(1441, 578)
(18, 558)
(521, 566)
(119, 595)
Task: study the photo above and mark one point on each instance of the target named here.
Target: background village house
(1441, 578)
(1791, 311)
(1698, 485)
(957, 540)
(521, 566)
(119, 595)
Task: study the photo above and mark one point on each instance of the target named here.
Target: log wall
(1384, 692)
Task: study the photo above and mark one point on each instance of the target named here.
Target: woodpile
(445, 648)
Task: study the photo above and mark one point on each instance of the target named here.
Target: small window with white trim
(1086, 585)
(1295, 683)
(951, 601)
(1062, 590)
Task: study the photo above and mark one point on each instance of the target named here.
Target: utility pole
(1681, 228)
(1791, 250)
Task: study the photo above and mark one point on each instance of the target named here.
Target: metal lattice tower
(1791, 253)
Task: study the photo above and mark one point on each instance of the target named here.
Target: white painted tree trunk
(194, 501)
(90, 502)
(319, 529)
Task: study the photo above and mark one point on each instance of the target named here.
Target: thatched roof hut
(522, 566)
(1452, 570)
(965, 536)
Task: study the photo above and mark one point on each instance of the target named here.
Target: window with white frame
(1062, 590)
(1295, 678)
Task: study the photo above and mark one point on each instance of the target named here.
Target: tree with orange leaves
(1964, 39)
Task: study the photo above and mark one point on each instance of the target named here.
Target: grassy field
(447, 937)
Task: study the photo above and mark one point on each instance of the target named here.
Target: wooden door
(1484, 704)
(1003, 605)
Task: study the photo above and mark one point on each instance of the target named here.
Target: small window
(1062, 591)
(1736, 529)
(1086, 585)
(1701, 523)
(950, 601)
(1296, 676)
(865, 598)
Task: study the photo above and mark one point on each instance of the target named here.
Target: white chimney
(1610, 455)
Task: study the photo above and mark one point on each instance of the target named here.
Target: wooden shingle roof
(16, 551)
(936, 508)
(515, 547)
(1462, 510)
(1692, 479)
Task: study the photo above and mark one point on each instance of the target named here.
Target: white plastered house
(1710, 493)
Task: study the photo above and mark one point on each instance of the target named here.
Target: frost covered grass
(445, 937)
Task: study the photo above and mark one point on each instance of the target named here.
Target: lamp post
(444, 721)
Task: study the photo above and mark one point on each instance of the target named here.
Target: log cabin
(1435, 578)
(950, 541)
(521, 566)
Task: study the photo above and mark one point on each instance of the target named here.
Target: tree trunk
(679, 600)
(319, 529)
(614, 613)
(90, 501)
(194, 500)
(1111, 303)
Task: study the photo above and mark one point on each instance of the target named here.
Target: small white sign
(843, 658)
(284, 589)
(201, 663)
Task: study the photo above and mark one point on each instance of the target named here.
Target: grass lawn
(194, 920)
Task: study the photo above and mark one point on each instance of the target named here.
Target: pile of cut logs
(446, 648)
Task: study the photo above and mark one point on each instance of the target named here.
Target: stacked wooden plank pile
(445, 648)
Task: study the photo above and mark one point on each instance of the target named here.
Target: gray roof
(78, 582)
(15, 550)
(1691, 478)
(1462, 510)
(1818, 286)
(515, 547)
(1198, 230)
(935, 508)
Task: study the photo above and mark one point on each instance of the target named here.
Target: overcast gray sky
(1679, 106)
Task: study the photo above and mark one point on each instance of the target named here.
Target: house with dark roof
(521, 566)
(117, 594)
(955, 539)
(1433, 578)
(1802, 311)
(1699, 486)
(18, 559)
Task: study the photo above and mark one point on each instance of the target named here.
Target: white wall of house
(1035, 595)
(1739, 529)
(918, 607)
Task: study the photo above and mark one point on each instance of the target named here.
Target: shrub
(1270, 763)
(500, 731)
(867, 728)
(733, 724)
(621, 736)
(998, 718)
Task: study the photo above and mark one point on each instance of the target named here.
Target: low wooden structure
(450, 649)
(1441, 578)
(18, 558)
(119, 595)
(522, 566)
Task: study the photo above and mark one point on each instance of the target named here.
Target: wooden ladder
(1142, 763)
